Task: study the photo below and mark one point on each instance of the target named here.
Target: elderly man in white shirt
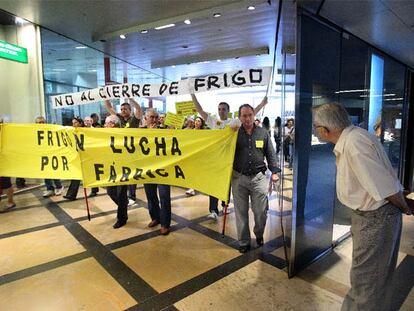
(366, 183)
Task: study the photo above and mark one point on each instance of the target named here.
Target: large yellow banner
(201, 159)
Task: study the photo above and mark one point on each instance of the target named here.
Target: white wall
(21, 85)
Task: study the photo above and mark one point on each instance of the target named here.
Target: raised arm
(200, 110)
(109, 108)
(261, 105)
(137, 108)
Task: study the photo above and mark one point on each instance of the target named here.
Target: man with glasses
(127, 120)
(365, 182)
(158, 215)
(118, 194)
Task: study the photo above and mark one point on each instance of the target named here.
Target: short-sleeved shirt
(365, 176)
(215, 123)
(251, 151)
(132, 121)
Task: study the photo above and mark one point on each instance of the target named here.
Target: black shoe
(70, 198)
(259, 241)
(244, 248)
(92, 194)
(119, 224)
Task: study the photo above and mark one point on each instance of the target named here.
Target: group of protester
(365, 182)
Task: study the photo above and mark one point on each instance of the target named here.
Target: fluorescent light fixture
(399, 98)
(173, 66)
(81, 47)
(164, 26)
(92, 70)
(251, 7)
(187, 21)
(216, 15)
(219, 60)
(59, 69)
(351, 91)
(19, 20)
(144, 31)
(122, 37)
(384, 95)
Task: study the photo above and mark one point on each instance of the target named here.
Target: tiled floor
(53, 258)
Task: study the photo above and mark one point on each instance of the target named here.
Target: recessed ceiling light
(216, 15)
(251, 7)
(187, 21)
(219, 60)
(144, 31)
(80, 47)
(173, 66)
(122, 36)
(164, 26)
(58, 69)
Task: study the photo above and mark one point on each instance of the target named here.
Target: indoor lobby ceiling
(386, 24)
(239, 38)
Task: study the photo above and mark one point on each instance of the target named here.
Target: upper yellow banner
(202, 160)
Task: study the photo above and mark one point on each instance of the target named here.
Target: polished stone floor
(53, 258)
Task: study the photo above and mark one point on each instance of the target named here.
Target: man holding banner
(249, 180)
(213, 123)
(127, 121)
(118, 194)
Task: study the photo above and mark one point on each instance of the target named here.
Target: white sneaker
(213, 216)
(190, 192)
(59, 191)
(48, 193)
(131, 202)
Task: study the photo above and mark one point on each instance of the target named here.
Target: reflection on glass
(375, 98)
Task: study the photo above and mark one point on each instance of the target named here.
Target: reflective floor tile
(101, 227)
(82, 285)
(31, 249)
(23, 219)
(259, 286)
(77, 208)
(191, 207)
(272, 229)
(167, 261)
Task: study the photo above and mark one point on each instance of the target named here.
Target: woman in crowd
(198, 125)
(74, 184)
(277, 133)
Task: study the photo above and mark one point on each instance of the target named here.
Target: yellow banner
(202, 160)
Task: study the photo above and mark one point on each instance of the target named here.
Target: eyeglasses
(315, 126)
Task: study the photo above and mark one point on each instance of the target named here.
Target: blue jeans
(163, 214)
(49, 184)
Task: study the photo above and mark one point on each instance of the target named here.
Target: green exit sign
(13, 52)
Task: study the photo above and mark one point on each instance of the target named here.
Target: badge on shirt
(259, 143)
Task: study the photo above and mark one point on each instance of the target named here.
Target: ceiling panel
(386, 24)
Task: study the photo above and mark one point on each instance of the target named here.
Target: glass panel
(376, 91)
(392, 111)
(353, 95)
(314, 180)
(70, 67)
